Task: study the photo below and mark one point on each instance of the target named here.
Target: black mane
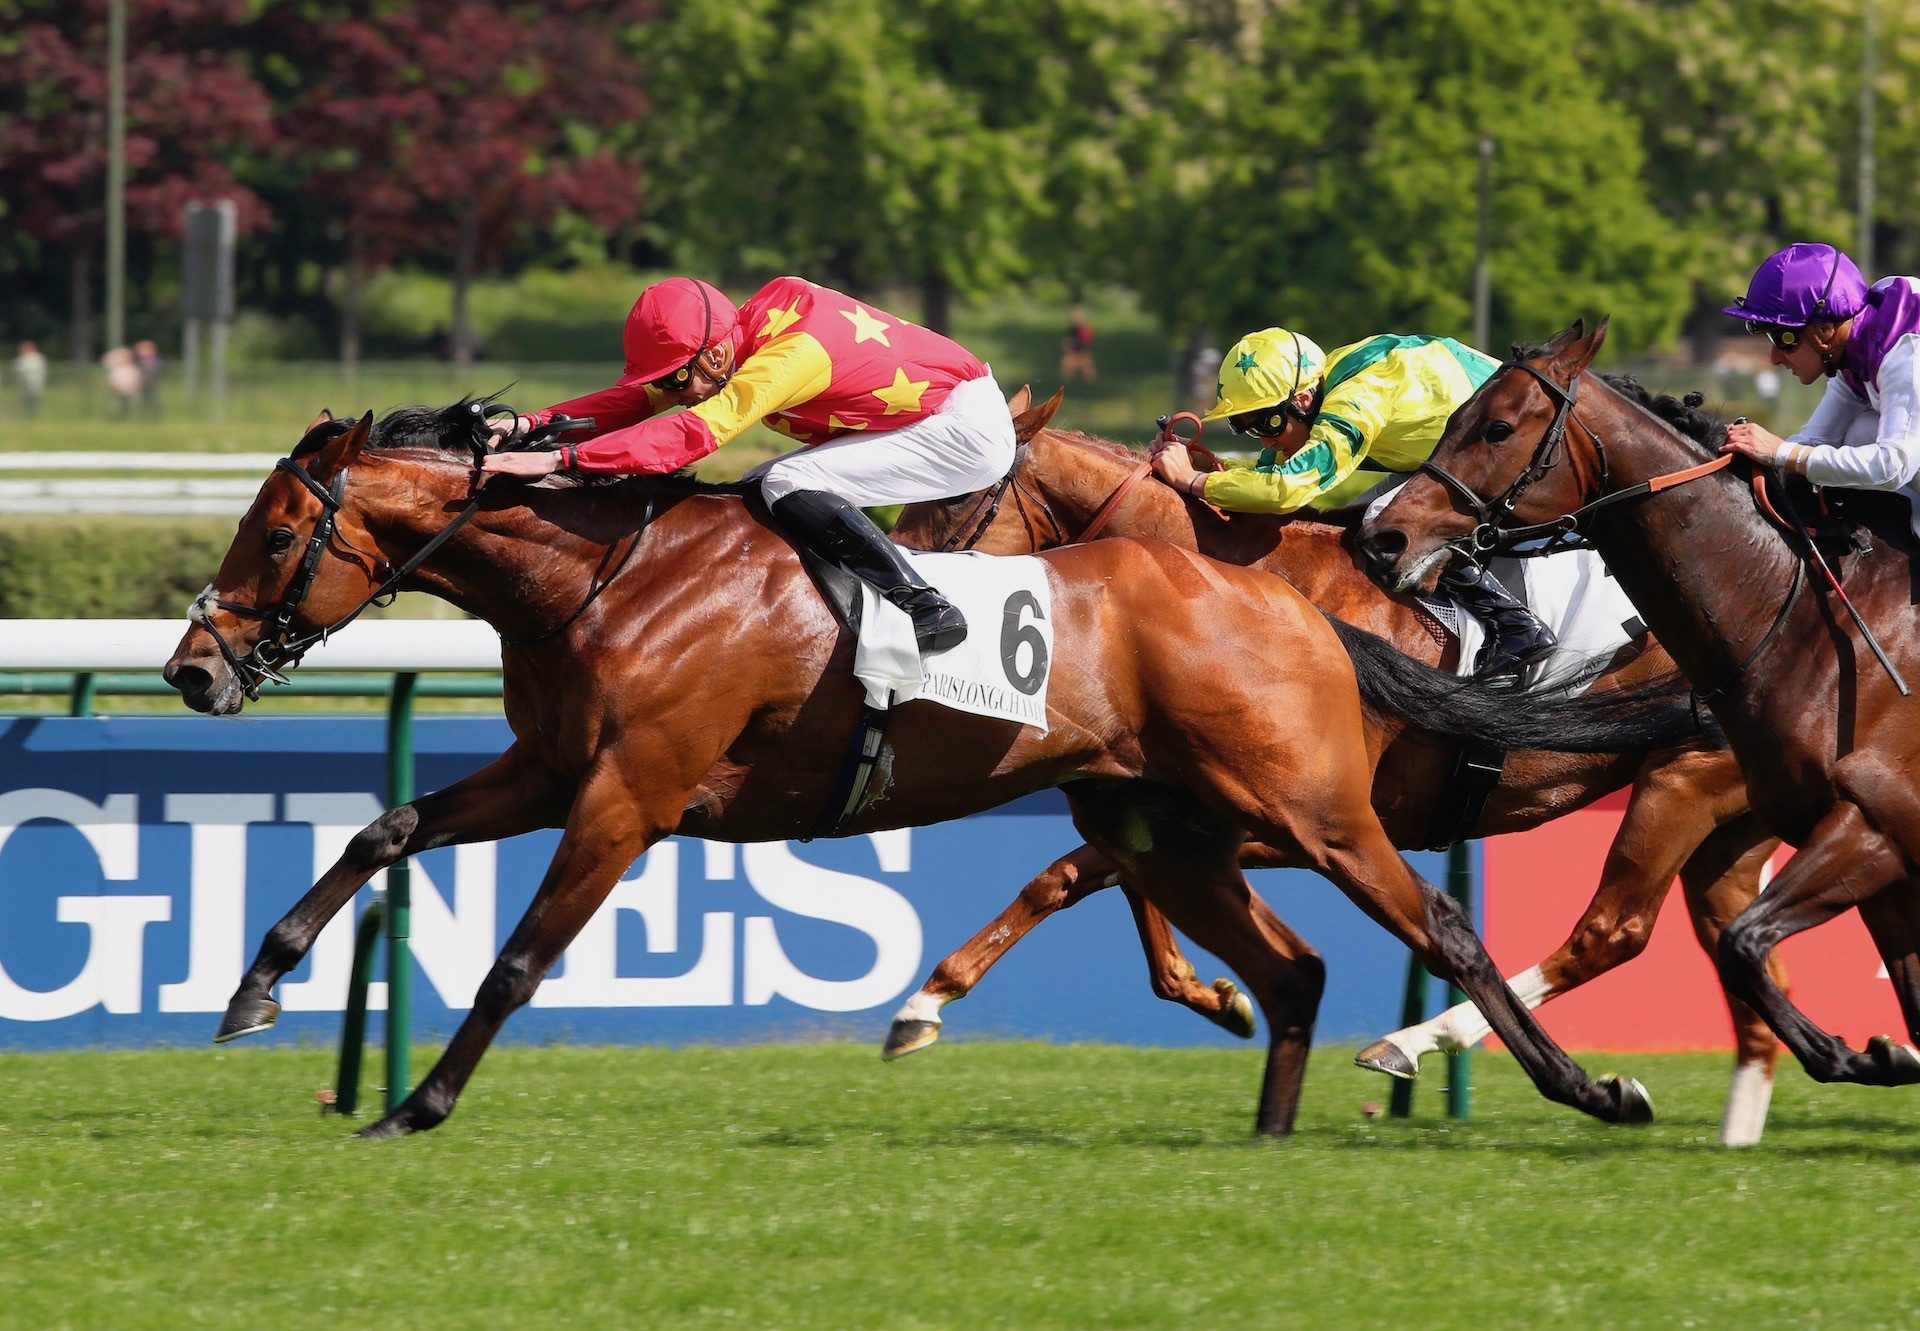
(460, 429)
(1684, 414)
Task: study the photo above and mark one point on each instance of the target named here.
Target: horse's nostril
(190, 680)
(1383, 545)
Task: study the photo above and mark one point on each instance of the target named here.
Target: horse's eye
(1498, 430)
(279, 541)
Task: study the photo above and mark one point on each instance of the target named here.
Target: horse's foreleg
(1894, 923)
(608, 828)
(1066, 881)
(508, 796)
(1721, 879)
(1844, 862)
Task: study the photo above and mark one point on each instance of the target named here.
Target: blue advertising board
(142, 859)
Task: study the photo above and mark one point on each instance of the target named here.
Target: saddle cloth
(1002, 668)
(1572, 593)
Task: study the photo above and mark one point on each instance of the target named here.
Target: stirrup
(1500, 663)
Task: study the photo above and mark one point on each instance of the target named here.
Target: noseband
(279, 648)
(1491, 534)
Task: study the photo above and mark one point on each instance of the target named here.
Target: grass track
(976, 1185)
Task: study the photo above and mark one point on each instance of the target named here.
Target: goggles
(1784, 338)
(1266, 423)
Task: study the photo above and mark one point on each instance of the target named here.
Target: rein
(987, 507)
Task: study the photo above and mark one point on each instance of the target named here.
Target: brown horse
(1827, 741)
(675, 698)
(1687, 814)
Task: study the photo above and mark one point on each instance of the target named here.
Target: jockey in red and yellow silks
(891, 413)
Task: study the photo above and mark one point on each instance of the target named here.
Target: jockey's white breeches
(965, 446)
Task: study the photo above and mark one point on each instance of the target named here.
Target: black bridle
(979, 519)
(1491, 534)
(279, 648)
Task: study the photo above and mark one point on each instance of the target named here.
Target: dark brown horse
(1687, 814)
(1829, 745)
(707, 691)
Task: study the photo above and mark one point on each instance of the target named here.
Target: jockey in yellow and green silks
(1337, 428)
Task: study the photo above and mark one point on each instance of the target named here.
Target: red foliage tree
(453, 131)
(193, 107)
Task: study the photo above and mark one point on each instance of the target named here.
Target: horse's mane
(460, 429)
(1685, 414)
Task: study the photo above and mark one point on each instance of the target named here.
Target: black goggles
(1784, 338)
(1266, 423)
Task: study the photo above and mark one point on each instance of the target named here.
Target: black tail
(1656, 715)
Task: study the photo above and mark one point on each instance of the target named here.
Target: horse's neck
(1703, 568)
(511, 565)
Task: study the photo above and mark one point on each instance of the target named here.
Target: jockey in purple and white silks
(1822, 318)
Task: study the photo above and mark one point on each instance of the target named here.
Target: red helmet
(672, 322)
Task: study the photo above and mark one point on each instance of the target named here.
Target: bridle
(979, 518)
(279, 648)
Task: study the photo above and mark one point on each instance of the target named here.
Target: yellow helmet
(1265, 369)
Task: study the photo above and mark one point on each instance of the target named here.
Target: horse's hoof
(1388, 1057)
(1236, 1017)
(245, 1016)
(386, 1129)
(1631, 1103)
(1899, 1061)
(909, 1037)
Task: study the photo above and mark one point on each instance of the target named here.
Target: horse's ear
(1027, 424)
(344, 449)
(317, 421)
(1021, 399)
(1572, 358)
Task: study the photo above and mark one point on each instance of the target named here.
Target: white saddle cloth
(1003, 666)
(1572, 593)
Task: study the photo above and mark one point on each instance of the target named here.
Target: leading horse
(1687, 813)
(1828, 743)
(708, 691)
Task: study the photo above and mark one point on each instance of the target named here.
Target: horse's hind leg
(1185, 860)
(1066, 881)
(1721, 879)
(1894, 922)
(1173, 978)
(508, 796)
(608, 828)
(1844, 862)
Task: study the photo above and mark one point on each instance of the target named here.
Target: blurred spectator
(123, 379)
(1076, 349)
(30, 374)
(1203, 377)
(148, 361)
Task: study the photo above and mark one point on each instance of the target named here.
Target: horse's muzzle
(212, 690)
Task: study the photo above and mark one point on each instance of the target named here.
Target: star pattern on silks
(1246, 362)
(835, 423)
(866, 328)
(903, 394)
(778, 321)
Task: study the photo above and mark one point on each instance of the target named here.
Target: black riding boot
(841, 534)
(1519, 638)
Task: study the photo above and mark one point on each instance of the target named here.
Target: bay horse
(708, 691)
(1687, 814)
(1829, 745)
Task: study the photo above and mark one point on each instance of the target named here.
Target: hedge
(107, 567)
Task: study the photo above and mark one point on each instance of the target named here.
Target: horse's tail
(1657, 714)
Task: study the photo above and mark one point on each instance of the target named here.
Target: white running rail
(145, 644)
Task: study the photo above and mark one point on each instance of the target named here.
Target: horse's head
(1496, 466)
(299, 563)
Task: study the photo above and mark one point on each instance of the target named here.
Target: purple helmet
(1804, 282)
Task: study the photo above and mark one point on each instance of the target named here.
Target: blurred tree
(193, 109)
(1324, 170)
(449, 133)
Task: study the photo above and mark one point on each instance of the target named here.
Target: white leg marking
(921, 1007)
(1461, 1026)
(1747, 1100)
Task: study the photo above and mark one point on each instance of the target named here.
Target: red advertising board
(1536, 885)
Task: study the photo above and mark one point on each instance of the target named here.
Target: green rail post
(1460, 888)
(80, 703)
(1413, 1009)
(399, 893)
(353, 1029)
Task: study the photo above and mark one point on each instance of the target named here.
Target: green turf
(975, 1185)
